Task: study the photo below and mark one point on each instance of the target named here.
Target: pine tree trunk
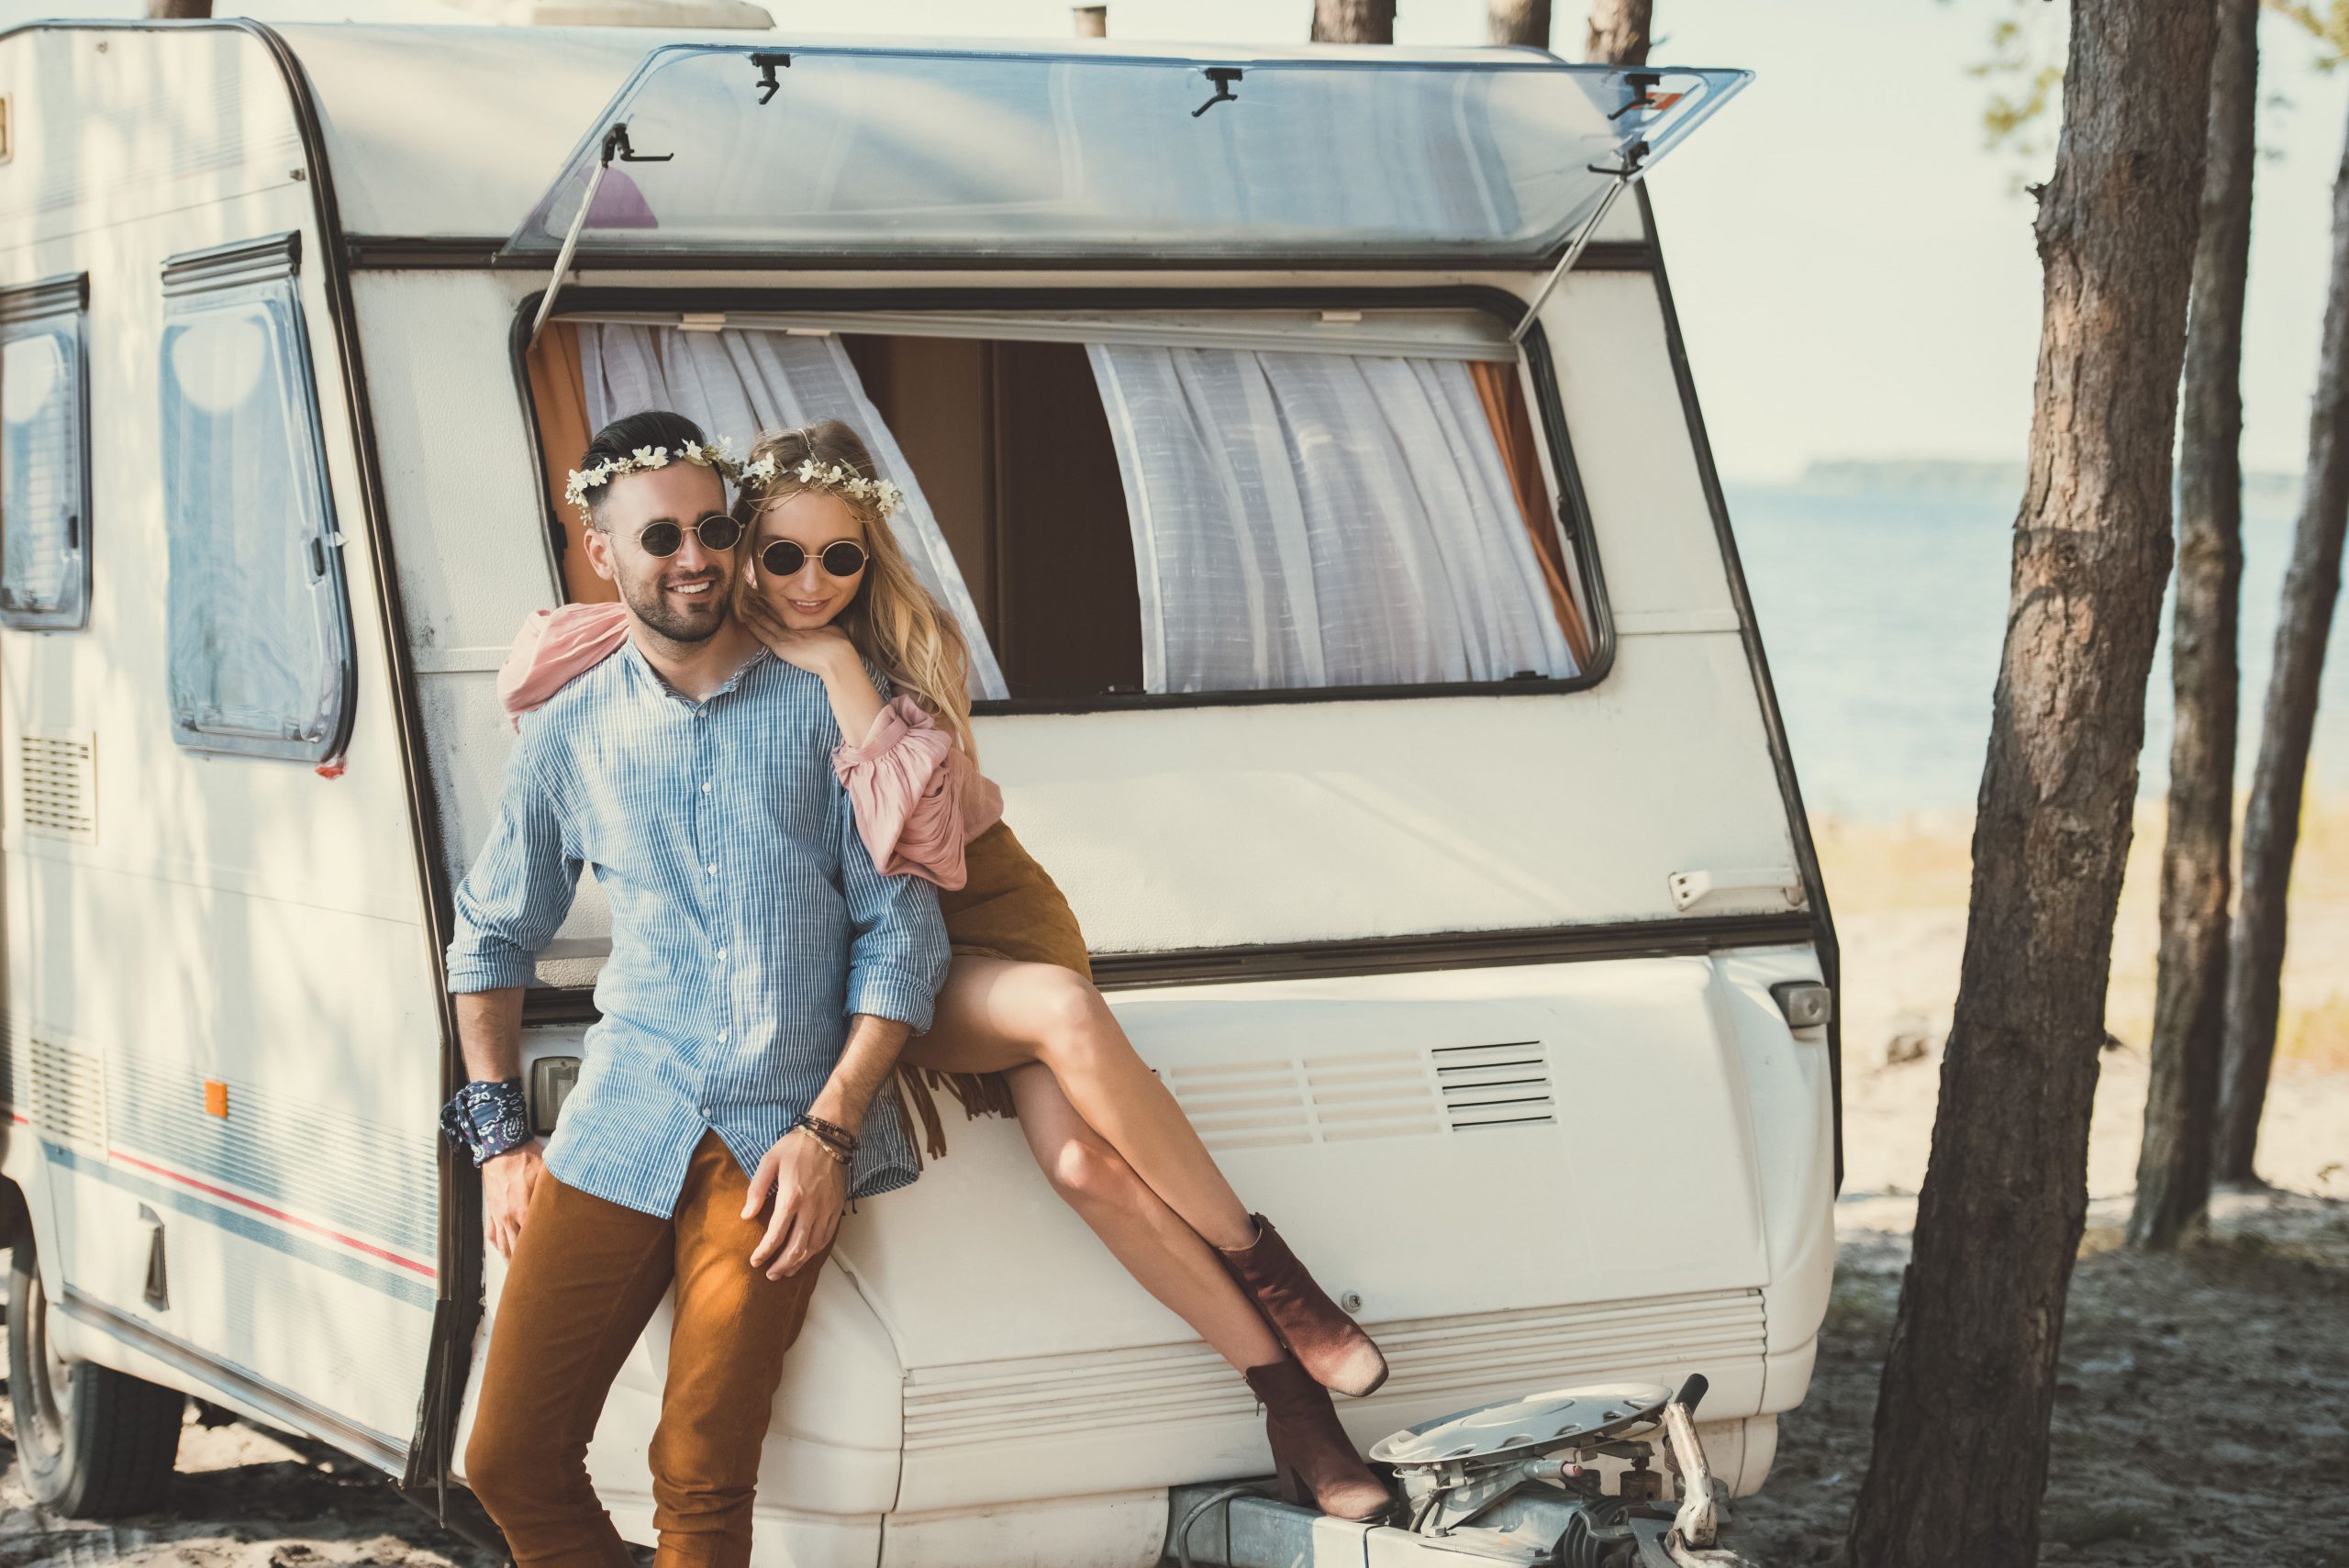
(1960, 1459)
(2271, 823)
(1619, 32)
(1353, 21)
(1518, 21)
(2190, 992)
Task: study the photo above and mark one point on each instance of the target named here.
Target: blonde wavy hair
(892, 619)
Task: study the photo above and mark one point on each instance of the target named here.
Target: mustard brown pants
(584, 1279)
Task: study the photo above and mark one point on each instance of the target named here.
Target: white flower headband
(719, 454)
(883, 496)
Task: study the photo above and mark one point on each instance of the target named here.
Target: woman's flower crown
(719, 454)
(883, 496)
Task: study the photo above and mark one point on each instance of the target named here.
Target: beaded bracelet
(831, 1134)
(836, 1156)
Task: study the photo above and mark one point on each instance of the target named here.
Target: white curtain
(1311, 519)
(740, 382)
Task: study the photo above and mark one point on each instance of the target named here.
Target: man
(763, 976)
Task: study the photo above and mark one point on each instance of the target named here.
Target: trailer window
(1154, 506)
(258, 627)
(44, 456)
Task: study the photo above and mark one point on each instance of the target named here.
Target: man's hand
(508, 1183)
(809, 1189)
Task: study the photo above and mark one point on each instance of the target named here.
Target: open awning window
(884, 152)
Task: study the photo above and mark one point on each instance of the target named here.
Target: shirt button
(704, 1110)
(704, 789)
(722, 952)
(721, 1036)
(713, 870)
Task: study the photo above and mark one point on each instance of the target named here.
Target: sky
(1852, 265)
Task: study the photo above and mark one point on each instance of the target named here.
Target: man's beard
(648, 598)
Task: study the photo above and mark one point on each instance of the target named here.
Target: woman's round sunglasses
(717, 532)
(842, 558)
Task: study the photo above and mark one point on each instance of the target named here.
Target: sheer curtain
(1312, 519)
(740, 382)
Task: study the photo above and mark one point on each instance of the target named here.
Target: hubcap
(52, 1389)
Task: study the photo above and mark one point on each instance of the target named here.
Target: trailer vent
(1373, 1094)
(60, 786)
(69, 1093)
(1495, 1085)
(1342, 1098)
(1244, 1105)
(10, 1096)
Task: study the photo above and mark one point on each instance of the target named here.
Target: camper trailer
(1306, 442)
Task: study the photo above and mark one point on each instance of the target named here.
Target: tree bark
(2190, 991)
(1960, 1459)
(1353, 21)
(1619, 32)
(1518, 21)
(2271, 823)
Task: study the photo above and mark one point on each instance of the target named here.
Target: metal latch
(1775, 883)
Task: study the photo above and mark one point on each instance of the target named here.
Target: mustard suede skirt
(1009, 908)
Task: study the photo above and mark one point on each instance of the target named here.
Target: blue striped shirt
(747, 921)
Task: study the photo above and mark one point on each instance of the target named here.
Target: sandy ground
(2203, 1418)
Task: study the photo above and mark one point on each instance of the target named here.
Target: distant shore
(1900, 888)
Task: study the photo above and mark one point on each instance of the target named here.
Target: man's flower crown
(719, 454)
(883, 496)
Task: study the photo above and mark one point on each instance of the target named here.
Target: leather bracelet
(487, 1118)
(831, 1134)
(836, 1156)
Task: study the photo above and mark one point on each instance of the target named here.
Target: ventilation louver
(58, 786)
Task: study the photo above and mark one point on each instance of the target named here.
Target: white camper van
(1306, 441)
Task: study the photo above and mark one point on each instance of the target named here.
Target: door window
(260, 630)
(44, 456)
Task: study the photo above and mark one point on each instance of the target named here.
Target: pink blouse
(918, 800)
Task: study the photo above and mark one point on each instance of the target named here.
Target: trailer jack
(1519, 1481)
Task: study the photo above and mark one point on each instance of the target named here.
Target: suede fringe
(979, 1093)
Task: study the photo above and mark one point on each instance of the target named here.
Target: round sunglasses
(842, 558)
(717, 532)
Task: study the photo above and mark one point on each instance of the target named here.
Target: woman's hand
(820, 650)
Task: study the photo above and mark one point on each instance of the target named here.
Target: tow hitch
(1517, 1481)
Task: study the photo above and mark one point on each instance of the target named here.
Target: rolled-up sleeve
(898, 956)
(520, 888)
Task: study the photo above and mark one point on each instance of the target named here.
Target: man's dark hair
(653, 427)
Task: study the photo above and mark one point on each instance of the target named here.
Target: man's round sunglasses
(717, 532)
(842, 558)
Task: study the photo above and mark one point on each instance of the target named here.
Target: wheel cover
(53, 1380)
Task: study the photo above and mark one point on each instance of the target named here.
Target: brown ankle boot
(1312, 1454)
(1331, 1346)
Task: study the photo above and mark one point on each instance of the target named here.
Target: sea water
(1882, 615)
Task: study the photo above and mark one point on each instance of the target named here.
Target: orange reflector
(215, 1098)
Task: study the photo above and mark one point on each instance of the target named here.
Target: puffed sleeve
(555, 648)
(908, 794)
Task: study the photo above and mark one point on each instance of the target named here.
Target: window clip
(1223, 76)
(769, 83)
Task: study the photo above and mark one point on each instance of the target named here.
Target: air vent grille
(68, 1093)
(1372, 1094)
(1339, 1098)
(1495, 1085)
(60, 791)
(1245, 1105)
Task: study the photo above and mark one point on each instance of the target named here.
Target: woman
(1018, 1027)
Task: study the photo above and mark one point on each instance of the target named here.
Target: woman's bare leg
(994, 1015)
(1153, 1243)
